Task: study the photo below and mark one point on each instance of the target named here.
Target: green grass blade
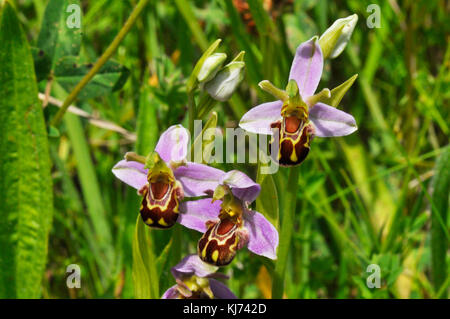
(439, 241)
(92, 195)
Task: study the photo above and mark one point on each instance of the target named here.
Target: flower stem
(290, 201)
(101, 61)
(192, 113)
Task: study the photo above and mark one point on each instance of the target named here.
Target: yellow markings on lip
(149, 221)
(204, 251)
(162, 222)
(215, 255)
(293, 156)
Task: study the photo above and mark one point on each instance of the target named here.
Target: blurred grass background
(364, 199)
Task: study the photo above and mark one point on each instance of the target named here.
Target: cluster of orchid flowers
(217, 203)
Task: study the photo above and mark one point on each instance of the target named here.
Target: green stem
(101, 61)
(290, 201)
(192, 113)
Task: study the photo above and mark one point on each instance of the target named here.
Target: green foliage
(69, 72)
(378, 196)
(26, 204)
(439, 231)
(145, 278)
(56, 40)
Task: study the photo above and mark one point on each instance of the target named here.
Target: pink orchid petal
(242, 186)
(195, 214)
(221, 291)
(263, 236)
(329, 121)
(131, 173)
(259, 118)
(192, 265)
(173, 144)
(307, 67)
(198, 179)
(171, 293)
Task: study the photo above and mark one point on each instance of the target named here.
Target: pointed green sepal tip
(239, 57)
(316, 98)
(338, 92)
(268, 87)
(334, 40)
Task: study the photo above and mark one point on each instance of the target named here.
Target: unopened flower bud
(334, 40)
(226, 81)
(211, 66)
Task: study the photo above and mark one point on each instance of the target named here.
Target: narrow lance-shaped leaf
(25, 180)
(60, 35)
(267, 201)
(146, 281)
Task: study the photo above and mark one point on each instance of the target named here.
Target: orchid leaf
(145, 278)
(267, 201)
(26, 201)
(161, 261)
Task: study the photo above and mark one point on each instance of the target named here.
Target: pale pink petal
(307, 67)
(259, 118)
(131, 173)
(173, 144)
(198, 179)
(192, 265)
(263, 236)
(221, 291)
(195, 214)
(329, 121)
(242, 186)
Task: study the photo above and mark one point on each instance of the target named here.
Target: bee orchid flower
(229, 224)
(197, 280)
(166, 178)
(299, 114)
